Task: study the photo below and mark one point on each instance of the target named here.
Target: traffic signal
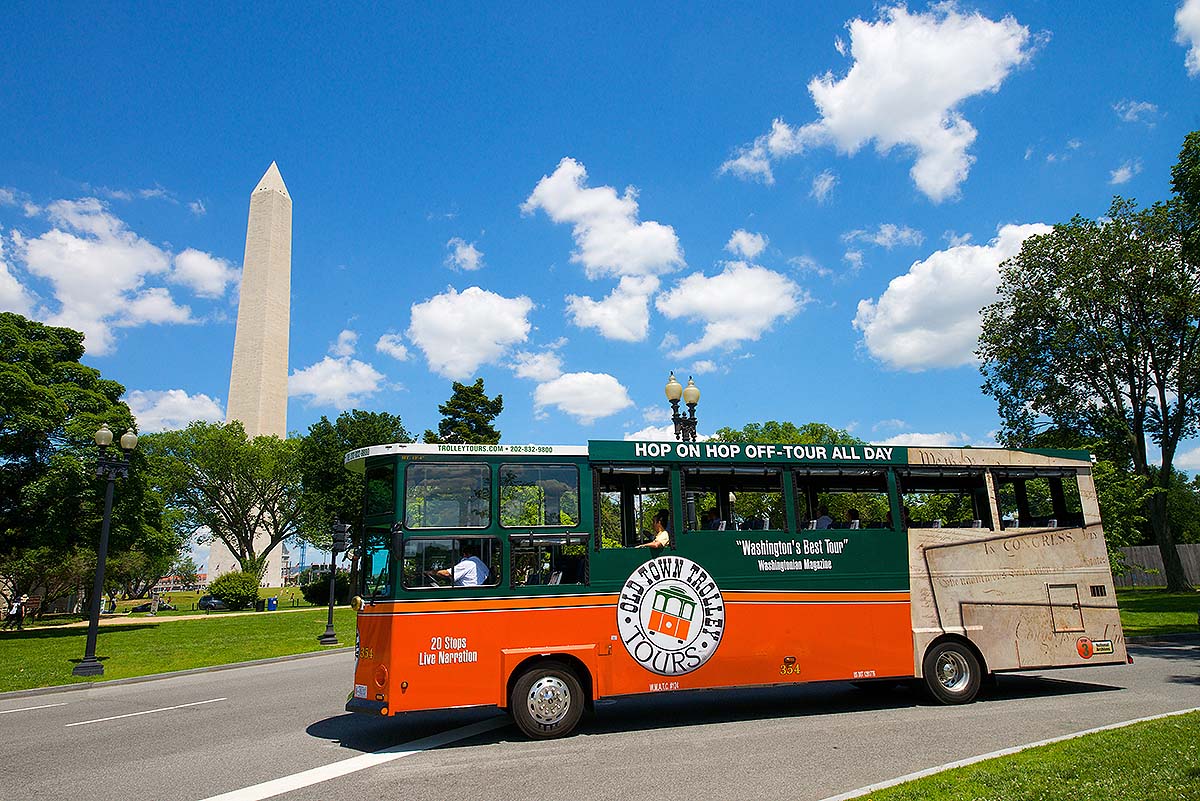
(341, 536)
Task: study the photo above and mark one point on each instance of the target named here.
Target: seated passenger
(712, 521)
(662, 534)
(823, 518)
(852, 519)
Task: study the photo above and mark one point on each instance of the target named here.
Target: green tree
(1097, 328)
(186, 570)
(244, 492)
(787, 434)
(467, 417)
(51, 501)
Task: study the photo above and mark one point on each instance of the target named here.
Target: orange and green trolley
(785, 564)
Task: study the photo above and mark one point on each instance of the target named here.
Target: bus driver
(470, 570)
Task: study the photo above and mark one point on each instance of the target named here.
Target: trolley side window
(627, 499)
(944, 497)
(833, 497)
(439, 562)
(447, 495)
(539, 495)
(380, 489)
(1038, 498)
(734, 499)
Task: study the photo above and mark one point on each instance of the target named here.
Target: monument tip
(271, 181)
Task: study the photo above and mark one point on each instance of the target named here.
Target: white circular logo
(671, 615)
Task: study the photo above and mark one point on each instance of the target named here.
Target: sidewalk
(116, 620)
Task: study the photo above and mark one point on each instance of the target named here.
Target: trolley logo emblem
(1084, 646)
(671, 615)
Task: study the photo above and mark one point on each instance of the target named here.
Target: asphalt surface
(225, 731)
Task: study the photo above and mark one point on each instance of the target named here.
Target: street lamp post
(340, 533)
(685, 425)
(111, 468)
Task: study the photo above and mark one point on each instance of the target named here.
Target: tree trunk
(1172, 564)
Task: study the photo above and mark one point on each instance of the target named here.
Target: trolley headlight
(381, 675)
(357, 603)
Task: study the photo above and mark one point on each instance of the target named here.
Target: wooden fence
(1146, 566)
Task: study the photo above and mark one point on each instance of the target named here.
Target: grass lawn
(43, 657)
(185, 603)
(1153, 611)
(1151, 761)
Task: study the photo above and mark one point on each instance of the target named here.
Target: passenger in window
(852, 519)
(823, 518)
(470, 570)
(662, 532)
(712, 521)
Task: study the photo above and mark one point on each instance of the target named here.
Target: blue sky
(803, 208)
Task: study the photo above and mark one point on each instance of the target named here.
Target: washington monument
(258, 381)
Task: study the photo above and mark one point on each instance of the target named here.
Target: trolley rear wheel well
(571, 662)
(958, 638)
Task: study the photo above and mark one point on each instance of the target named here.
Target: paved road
(232, 729)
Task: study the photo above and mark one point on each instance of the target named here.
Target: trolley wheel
(547, 701)
(952, 673)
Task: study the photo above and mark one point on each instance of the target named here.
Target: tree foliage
(467, 416)
(787, 434)
(237, 589)
(51, 500)
(329, 489)
(1097, 329)
(230, 487)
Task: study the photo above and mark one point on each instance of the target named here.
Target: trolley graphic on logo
(671, 615)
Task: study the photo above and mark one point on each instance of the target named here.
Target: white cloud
(1136, 111)
(911, 74)
(346, 344)
(8, 197)
(340, 383)
(807, 264)
(458, 332)
(740, 303)
(98, 268)
(822, 185)
(1125, 172)
(887, 236)
(1188, 460)
(197, 207)
(609, 239)
(541, 367)
(745, 244)
(854, 260)
(704, 366)
(204, 273)
(623, 315)
(941, 439)
(463, 255)
(171, 409)
(665, 433)
(929, 317)
(1187, 33)
(893, 422)
(392, 345)
(584, 396)
(954, 239)
(13, 296)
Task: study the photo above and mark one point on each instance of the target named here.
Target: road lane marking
(920, 774)
(30, 708)
(146, 712)
(306, 778)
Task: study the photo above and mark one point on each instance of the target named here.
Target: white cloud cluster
(392, 345)
(940, 439)
(807, 264)
(98, 271)
(911, 73)
(887, 236)
(610, 242)
(929, 317)
(458, 332)
(1125, 172)
(822, 185)
(540, 367)
(463, 255)
(584, 396)
(1187, 33)
(740, 303)
(1136, 111)
(346, 343)
(203, 273)
(745, 244)
(171, 409)
(342, 382)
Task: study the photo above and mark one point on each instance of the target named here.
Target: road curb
(1151, 639)
(86, 685)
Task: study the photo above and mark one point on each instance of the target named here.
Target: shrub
(238, 590)
(317, 592)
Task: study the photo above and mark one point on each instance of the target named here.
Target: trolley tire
(547, 701)
(952, 673)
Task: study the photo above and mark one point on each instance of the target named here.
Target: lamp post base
(328, 638)
(90, 666)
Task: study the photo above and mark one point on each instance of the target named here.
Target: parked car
(163, 606)
(211, 603)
